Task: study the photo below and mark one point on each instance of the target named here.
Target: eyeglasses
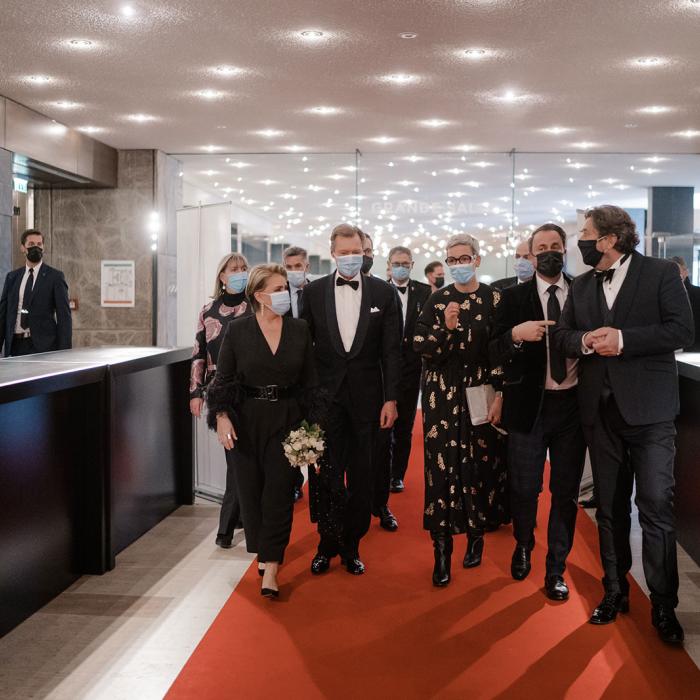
(461, 260)
(406, 265)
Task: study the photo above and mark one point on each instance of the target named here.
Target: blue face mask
(400, 274)
(524, 269)
(236, 282)
(349, 265)
(280, 303)
(462, 274)
(296, 278)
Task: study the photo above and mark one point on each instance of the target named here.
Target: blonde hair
(257, 279)
(219, 286)
(463, 239)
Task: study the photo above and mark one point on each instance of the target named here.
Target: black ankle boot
(475, 548)
(442, 544)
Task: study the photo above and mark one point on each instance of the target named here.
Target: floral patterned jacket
(213, 319)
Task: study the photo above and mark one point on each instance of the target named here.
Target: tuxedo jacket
(524, 368)
(694, 296)
(653, 312)
(505, 282)
(50, 322)
(372, 366)
(411, 361)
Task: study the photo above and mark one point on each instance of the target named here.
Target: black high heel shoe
(442, 544)
(475, 549)
(269, 593)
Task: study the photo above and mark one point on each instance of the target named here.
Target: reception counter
(688, 455)
(95, 449)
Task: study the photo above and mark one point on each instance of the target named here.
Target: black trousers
(21, 346)
(266, 492)
(230, 506)
(557, 429)
(620, 455)
(351, 438)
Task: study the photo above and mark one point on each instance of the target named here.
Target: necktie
(27, 299)
(402, 289)
(340, 281)
(557, 362)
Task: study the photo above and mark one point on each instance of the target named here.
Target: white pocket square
(374, 310)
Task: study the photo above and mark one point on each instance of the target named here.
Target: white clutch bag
(479, 400)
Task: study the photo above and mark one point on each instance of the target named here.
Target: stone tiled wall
(84, 227)
(5, 213)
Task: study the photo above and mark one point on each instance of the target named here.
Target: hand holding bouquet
(305, 446)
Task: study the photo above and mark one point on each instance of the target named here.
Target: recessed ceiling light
(140, 118)
(209, 94)
(654, 109)
(400, 78)
(631, 126)
(383, 139)
(66, 104)
(90, 129)
(39, 79)
(413, 158)
(688, 133)
(226, 71)
(311, 34)
(269, 133)
(650, 61)
(584, 145)
(408, 35)
(475, 54)
(483, 164)
(465, 147)
(295, 148)
(267, 183)
(511, 97)
(324, 110)
(127, 11)
(557, 130)
(649, 171)
(434, 123)
(210, 148)
(655, 159)
(80, 44)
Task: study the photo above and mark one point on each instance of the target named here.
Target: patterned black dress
(465, 471)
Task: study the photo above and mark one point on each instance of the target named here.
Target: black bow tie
(340, 281)
(603, 275)
(402, 289)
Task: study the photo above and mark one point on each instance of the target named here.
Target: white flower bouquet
(305, 446)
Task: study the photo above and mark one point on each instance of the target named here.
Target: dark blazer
(411, 361)
(50, 321)
(524, 368)
(694, 297)
(505, 282)
(653, 313)
(371, 368)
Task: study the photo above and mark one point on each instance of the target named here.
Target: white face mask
(296, 278)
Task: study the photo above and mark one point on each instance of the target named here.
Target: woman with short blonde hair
(229, 302)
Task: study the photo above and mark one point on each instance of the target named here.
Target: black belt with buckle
(271, 392)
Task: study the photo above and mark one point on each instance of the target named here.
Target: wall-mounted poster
(118, 284)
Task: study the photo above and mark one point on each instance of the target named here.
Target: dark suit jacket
(694, 296)
(411, 361)
(524, 368)
(371, 368)
(50, 322)
(653, 313)
(505, 282)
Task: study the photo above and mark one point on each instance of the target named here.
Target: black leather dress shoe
(475, 550)
(298, 494)
(520, 562)
(607, 609)
(270, 593)
(224, 542)
(667, 625)
(555, 587)
(320, 564)
(587, 503)
(397, 485)
(442, 544)
(353, 566)
(387, 520)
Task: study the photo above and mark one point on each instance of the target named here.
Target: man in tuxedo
(296, 263)
(523, 266)
(540, 409)
(623, 321)
(694, 297)
(435, 274)
(354, 321)
(34, 310)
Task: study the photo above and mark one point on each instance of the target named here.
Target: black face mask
(439, 282)
(367, 263)
(550, 263)
(34, 254)
(590, 254)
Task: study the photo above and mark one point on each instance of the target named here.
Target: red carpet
(391, 634)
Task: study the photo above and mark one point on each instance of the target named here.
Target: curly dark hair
(610, 220)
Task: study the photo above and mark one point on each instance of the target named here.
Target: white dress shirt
(347, 309)
(404, 298)
(18, 326)
(611, 288)
(571, 379)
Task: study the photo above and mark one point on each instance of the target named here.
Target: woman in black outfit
(229, 302)
(264, 376)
